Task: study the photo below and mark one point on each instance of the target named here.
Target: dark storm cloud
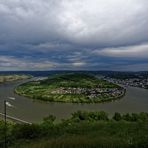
(79, 34)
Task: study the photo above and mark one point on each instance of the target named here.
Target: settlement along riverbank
(135, 100)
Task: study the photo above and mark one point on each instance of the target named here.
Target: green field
(71, 87)
(81, 130)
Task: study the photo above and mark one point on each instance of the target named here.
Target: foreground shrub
(92, 128)
(117, 116)
(26, 131)
(89, 116)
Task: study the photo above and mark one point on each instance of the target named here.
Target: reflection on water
(135, 100)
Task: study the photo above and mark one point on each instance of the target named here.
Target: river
(135, 100)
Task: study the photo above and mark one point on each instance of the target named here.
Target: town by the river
(135, 100)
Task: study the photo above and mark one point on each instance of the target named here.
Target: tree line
(80, 123)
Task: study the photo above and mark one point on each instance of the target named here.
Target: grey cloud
(71, 34)
(10, 62)
(104, 22)
(81, 22)
(136, 51)
(27, 63)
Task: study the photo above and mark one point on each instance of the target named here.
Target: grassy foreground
(81, 130)
(71, 87)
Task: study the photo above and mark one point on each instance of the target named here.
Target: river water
(135, 100)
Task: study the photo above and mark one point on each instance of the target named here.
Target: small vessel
(8, 104)
(11, 98)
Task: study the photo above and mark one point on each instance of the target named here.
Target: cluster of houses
(142, 83)
(90, 92)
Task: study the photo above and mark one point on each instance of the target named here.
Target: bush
(134, 117)
(48, 121)
(143, 116)
(126, 117)
(26, 131)
(117, 116)
(89, 116)
(2, 133)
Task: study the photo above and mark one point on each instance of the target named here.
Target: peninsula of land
(71, 88)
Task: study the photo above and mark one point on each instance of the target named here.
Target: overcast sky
(74, 35)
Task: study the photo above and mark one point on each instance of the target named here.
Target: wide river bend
(135, 100)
